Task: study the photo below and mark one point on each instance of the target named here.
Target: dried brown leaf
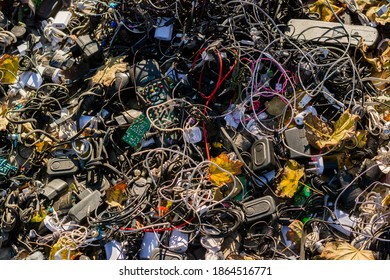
(275, 106)
(106, 75)
(3, 123)
(321, 7)
(295, 232)
(317, 130)
(116, 195)
(344, 129)
(345, 251)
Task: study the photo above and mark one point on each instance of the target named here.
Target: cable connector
(52, 34)
(386, 129)
(319, 165)
(301, 116)
(382, 10)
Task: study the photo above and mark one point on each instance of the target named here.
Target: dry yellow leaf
(9, 66)
(287, 179)
(386, 200)
(116, 195)
(65, 254)
(359, 141)
(321, 7)
(381, 85)
(365, 4)
(3, 109)
(220, 178)
(3, 123)
(361, 138)
(372, 15)
(43, 145)
(318, 131)
(344, 128)
(381, 63)
(345, 251)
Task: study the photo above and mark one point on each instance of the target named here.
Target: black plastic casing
(263, 158)
(54, 188)
(296, 139)
(60, 167)
(85, 207)
(259, 208)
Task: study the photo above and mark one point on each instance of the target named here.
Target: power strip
(331, 32)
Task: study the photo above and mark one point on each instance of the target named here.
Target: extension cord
(331, 32)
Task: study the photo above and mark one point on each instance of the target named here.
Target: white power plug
(301, 116)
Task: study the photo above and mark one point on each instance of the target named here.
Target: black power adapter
(89, 49)
(263, 157)
(258, 209)
(297, 142)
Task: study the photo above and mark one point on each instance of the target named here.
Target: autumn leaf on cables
(321, 135)
(219, 177)
(287, 180)
(345, 251)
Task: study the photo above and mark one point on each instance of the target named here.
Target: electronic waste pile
(194, 129)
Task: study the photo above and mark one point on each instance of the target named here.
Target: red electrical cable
(210, 97)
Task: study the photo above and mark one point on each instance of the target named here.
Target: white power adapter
(178, 241)
(150, 241)
(193, 135)
(163, 32)
(62, 19)
(114, 250)
(36, 80)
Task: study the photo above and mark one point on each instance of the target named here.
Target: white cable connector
(382, 10)
(376, 125)
(7, 38)
(301, 116)
(386, 129)
(52, 34)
